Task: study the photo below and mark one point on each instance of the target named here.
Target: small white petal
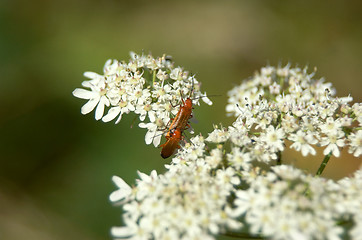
(142, 125)
(117, 196)
(120, 182)
(207, 100)
(151, 116)
(83, 94)
(153, 174)
(89, 84)
(346, 99)
(112, 113)
(90, 75)
(143, 116)
(358, 152)
(308, 149)
(235, 180)
(331, 148)
(124, 190)
(340, 143)
(214, 228)
(119, 118)
(336, 152)
(89, 106)
(157, 138)
(144, 177)
(100, 108)
(122, 232)
(133, 55)
(149, 137)
(131, 107)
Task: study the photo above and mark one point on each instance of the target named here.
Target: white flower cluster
(205, 193)
(280, 104)
(150, 87)
(217, 186)
(288, 204)
(188, 202)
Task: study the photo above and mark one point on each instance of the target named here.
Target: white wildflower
(153, 135)
(273, 138)
(302, 141)
(333, 140)
(274, 88)
(218, 136)
(145, 85)
(186, 200)
(297, 200)
(303, 109)
(123, 192)
(96, 96)
(213, 187)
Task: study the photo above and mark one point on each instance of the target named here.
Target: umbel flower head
(286, 203)
(186, 202)
(147, 86)
(279, 104)
(233, 182)
(206, 192)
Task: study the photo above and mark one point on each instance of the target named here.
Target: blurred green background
(56, 164)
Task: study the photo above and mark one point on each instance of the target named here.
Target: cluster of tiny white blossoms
(279, 104)
(206, 192)
(286, 203)
(150, 87)
(189, 201)
(217, 186)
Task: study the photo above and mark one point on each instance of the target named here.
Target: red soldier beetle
(177, 127)
(172, 143)
(180, 121)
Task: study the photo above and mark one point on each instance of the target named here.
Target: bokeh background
(56, 164)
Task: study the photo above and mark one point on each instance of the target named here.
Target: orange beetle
(181, 120)
(172, 142)
(178, 125)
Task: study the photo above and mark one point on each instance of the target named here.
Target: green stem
(344, 222)
(323, 164)
(255, 133)
(281, 82)
(242, 235)
(153, 77)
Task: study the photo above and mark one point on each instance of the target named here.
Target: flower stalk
(323, 164)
